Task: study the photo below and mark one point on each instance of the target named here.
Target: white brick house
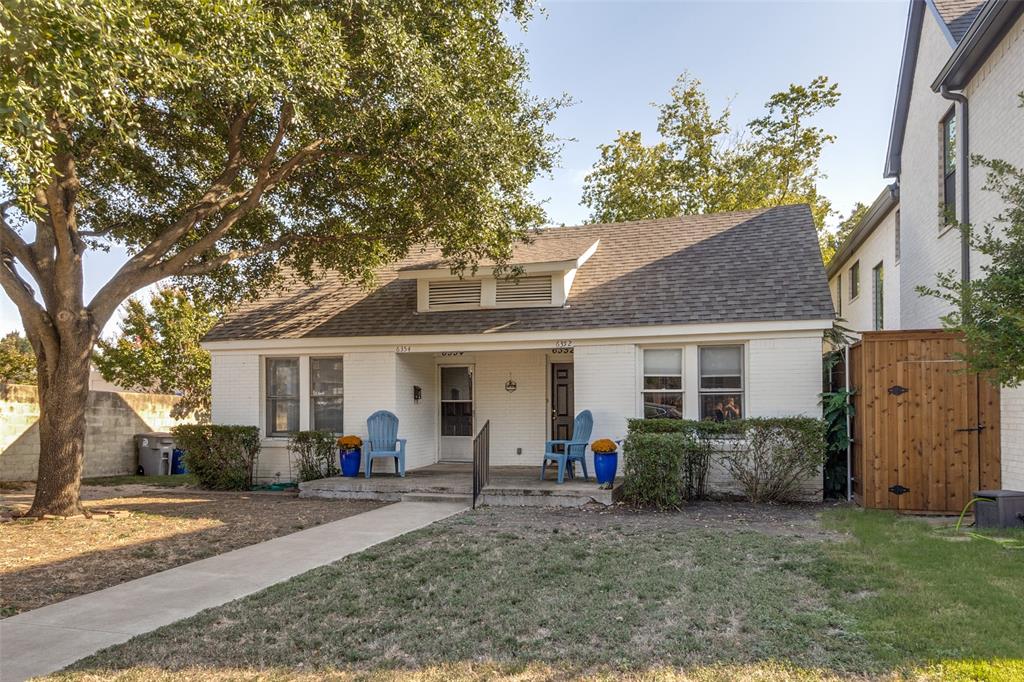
(676, 317)
(961, 72)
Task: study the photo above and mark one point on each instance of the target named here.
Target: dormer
(547, 269)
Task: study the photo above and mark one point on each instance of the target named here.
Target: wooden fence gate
(926, 431)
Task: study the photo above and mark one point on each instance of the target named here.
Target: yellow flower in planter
(350, 442)
(604, 445)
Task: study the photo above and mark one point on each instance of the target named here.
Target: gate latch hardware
(979, 428)
(898, 390)
(898, 489)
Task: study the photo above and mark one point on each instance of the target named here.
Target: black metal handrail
(481, 460)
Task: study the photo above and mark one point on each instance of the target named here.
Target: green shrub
(222, 457)
(654, 469)
(314, 452)
(774, 457)
(668, 460)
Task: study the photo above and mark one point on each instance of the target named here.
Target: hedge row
(222, 457)
(668, 460)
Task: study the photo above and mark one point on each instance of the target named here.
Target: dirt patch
(141, 530)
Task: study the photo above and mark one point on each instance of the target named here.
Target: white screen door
(457, 413)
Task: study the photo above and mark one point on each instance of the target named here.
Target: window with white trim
(721, 383)
(663, 383)
(282, 377)
(326, 394)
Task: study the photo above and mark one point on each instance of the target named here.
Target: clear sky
(617, 58)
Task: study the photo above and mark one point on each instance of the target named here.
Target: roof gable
(729, 267)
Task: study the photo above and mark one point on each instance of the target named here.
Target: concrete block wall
(112, 420)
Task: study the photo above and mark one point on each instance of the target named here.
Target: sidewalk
(45, 640)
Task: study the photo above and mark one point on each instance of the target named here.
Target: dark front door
(561, 401)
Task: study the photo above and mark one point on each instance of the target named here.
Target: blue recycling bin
(178, 462)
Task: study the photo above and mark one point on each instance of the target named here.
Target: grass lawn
(135, 531)
(715, 592)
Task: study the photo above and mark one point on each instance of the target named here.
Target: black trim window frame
(948, 171)
(877, 296)
(326, 395)
(282, 394)
(662, 392)
(854, 280)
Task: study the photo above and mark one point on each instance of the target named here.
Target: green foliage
(774, 456)
(17, 361)
(668, 460)
(701, 165)
(315, 453)
(989, 310)
(837, 408)
(654, 469)
(832, 240)
(158, 349)
(221, 457)
(768, 457)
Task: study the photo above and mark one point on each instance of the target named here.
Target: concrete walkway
(47, 639)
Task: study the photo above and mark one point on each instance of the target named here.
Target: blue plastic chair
(574, 450)
(383, 441)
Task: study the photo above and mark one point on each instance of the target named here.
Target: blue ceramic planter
(350, 462)
(605, 466)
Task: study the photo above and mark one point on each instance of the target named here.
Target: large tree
(157, 348)
(831, 240)
(17, 362)
(236, 140)
(702, 165)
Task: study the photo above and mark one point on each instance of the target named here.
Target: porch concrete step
(437, 497)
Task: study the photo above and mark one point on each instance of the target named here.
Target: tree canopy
(156, 348)
(702, 165)
(831, 240)
(17, 362)
(231, 142)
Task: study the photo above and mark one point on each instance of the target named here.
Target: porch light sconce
(417, 393)
(510, 386)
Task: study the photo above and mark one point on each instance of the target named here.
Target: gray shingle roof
(958, 15)
(728, 267)
(551, 248)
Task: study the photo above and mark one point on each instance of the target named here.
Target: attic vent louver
(449, 294)
(524, 290)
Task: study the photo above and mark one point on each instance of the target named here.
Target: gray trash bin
(999, 509)
(156, 451)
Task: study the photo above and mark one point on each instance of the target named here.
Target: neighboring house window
(897, 235)
(839, 294)
(282, 396)
(327, 390)
(663, 384)
(854, 280)
(721, 382)
(949, 168)
(877, 298)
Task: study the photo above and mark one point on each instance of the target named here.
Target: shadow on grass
(44, 562)
(538, 595)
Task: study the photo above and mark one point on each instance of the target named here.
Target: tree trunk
(63, 395)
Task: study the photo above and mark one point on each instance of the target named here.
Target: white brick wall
(784, 377)
(519, 419)
(417, 420)
(927, 249)
(997, 132)
(879, 247)
(606, 384)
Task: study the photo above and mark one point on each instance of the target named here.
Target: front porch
(510, 486)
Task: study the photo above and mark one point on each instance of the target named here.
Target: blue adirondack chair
(383, 441)
(574, 450)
